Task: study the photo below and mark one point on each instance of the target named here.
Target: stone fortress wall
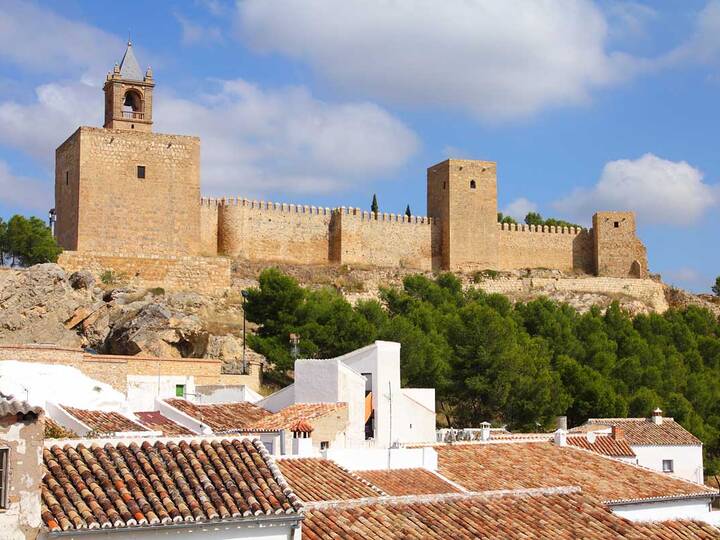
(299, 234)
(128, 200)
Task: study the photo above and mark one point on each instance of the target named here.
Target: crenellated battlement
(522, 227)
(383, 216)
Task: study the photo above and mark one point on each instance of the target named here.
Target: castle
(128, 199)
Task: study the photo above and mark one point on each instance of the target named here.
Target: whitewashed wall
(142, 390)
(367, 459)
(665, 510)
(687, 460)
(209, 531)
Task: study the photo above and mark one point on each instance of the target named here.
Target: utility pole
(390, 442)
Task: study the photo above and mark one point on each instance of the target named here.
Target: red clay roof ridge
(434, 498)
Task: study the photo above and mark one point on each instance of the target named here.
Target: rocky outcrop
(43, 304)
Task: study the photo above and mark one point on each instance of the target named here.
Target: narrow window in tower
(617, 224)
(472, 184)
(67, 178)
(141, 171)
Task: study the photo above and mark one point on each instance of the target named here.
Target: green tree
(374, 208)
(407, 211)
(533, 218)
(30, 241)
(716, 287)
(4, 247)
(505, 219)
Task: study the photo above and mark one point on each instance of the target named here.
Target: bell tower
(128, 95)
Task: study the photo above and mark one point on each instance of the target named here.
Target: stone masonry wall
(273, 232)
(116, 210)
(202, 274)
(530, 246)
(114, 369)
(389, 240)
(209, 213)
(618, 251)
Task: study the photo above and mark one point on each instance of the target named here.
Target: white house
(381, 413)
(658, 443)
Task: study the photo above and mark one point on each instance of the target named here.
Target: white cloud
(257, 140)
(196, 33)
(495, 59)
(40, 40)
(24, 192)
(253, 140)
(658, 190)
(519, 208)
(627, 19)
(39, 127)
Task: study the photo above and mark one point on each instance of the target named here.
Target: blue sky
(584, 105)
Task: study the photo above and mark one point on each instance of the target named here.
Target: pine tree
(716, 287)
(374, 208)
(408, 213)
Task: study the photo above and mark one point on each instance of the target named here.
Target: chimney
(618, 433)
(657, 417)
(561, 437)
(302, 438)
(561, 422)
(485, 431)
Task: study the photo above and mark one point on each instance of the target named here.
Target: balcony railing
(133, 115)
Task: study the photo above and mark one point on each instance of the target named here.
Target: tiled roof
(481, 467)
(155, 421)
(317, 479)
(53, 430)
(222, 417)
(564, 514)
(408, 481)
(12, 406)
(289, 416)
(604, 444)
(118, 485)
(104, 422)
(642, 431)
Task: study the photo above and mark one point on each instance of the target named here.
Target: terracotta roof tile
(104, 422)
(604, 444)
(520, 516)
(317, 479)
(118, 485)
(642, 431)
(481, 467)
(291, 415)
(408, 481)
(222, 417)
(155, 421)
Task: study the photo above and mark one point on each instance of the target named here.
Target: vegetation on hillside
(517, 364)
(534, 218)
(26, 241)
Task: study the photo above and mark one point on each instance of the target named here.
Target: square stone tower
(618, 251)
(122, 189)
(462, 195)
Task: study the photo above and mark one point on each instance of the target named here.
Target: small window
(4, 452)
(324, 445)
(67, 178)
(180, 390)
(444, 185)
(141, 171)
(473, 185)
(617, 224)
(668, 465)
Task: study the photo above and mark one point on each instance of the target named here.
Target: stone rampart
(274, 232)
(209, 210)
(386, 240)
(208, 275)
(533, 246)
